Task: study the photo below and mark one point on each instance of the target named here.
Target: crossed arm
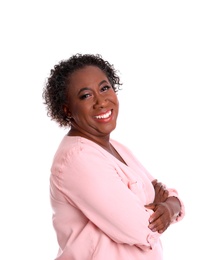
(166, 208)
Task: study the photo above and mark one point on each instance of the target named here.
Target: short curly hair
(55, 89)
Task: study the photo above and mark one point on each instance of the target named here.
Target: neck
(102, 140)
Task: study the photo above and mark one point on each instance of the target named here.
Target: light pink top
(98, 204)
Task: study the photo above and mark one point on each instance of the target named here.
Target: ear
(66, 111)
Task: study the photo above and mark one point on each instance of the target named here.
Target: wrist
(174, 206)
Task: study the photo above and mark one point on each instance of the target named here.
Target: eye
(85, 96)
(105, 88)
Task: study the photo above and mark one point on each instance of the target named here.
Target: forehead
(87, 76)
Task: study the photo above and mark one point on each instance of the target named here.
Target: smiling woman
(106, 205)
(92, 105)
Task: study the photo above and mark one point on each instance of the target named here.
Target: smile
(104, 116)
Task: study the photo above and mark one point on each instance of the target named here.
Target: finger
(154, 182)
(156, 225)
(160, 224)
(163, 191)
(162, 228)
(166, 194)
(150, 206)
(156, 215)
(158, 186)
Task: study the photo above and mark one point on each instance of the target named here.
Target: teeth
(105, 115)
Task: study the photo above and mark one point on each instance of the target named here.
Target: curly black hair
(55, 89)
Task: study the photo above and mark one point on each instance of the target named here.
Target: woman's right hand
(161, 193)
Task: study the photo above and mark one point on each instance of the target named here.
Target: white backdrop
(163, 50)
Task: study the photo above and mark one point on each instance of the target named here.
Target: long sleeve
(93, 183)
(99, 204)
(172, 191)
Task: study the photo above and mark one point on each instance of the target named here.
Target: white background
(163, 50)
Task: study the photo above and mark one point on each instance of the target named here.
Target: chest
(137, 182)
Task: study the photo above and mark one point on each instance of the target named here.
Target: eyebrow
(87, 88)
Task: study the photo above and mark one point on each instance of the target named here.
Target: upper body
(99, 203)
(106, 205)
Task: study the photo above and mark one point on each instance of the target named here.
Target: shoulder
(79, 159)
(75, 146)
(77, 150)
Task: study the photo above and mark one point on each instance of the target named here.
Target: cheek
(116, 101)
(79, 112)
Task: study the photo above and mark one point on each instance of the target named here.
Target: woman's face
(92, 103)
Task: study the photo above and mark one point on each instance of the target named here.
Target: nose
(100, 101)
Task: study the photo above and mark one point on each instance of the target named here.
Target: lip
(104, 116)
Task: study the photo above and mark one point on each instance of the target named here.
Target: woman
(105, 203)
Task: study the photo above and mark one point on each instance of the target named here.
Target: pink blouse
(98, 204)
